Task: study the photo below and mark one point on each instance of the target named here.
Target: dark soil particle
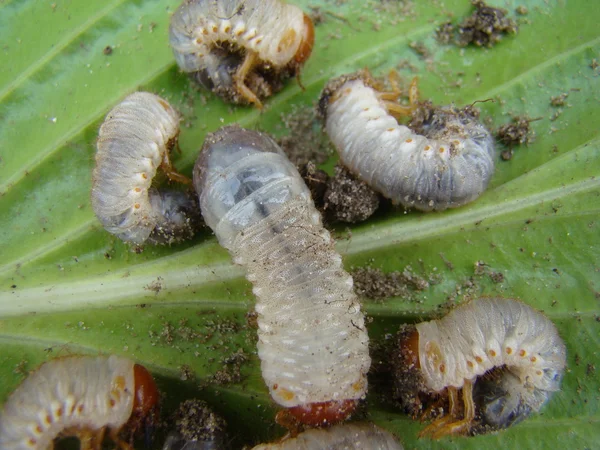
(515, 133)
(316, 180)
(484, 28)
(195, 421)
(375, 284)
(348, 199)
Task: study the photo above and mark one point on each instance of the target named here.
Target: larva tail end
(307, 43)
(317, 414)
(503, 400)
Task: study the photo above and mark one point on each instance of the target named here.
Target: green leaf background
(68, 287)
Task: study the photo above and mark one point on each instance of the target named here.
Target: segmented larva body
(78, 396)
(348, 436)
(477, 337)
(224, 42)
(134, 140)
(446, 167)
(313, 343)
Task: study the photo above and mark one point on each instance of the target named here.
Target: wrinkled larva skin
(68, 393)
(209, 39)
(132, 143)
(313, 343)
(449, 166)
(349, 436)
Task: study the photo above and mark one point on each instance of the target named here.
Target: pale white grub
(481, 336)
(241, 49)
(447, 164)
(313, 343)
(79, 396)
(133, 142)
(349, 436)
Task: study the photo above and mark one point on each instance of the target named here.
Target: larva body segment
(241, 49)
(446, 167)
(133, 142)
(349, 436)
(76, 396)
(313, 343)
(516, 347)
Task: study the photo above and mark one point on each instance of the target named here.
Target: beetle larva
(197, 427)
(446, 167)
(313, 343)
(348, 436)
(79, 396)
(134, 140)
(442, 357)
(241, 49)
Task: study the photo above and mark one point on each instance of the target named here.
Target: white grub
(79, 396)
(506, 336)
(349, 436)
(241, 49)
(313, 343)
(447, 166)
(134, 140)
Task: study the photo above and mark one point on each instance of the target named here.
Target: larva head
(318, 414)
(409, 386)
(332, 91)
(307, 42)
(145, 401)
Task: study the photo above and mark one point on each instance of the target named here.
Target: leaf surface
(68, 287)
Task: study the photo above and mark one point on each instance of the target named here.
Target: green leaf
(68, 287)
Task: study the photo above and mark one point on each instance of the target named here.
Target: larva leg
(90, 440)
(286, 420)
(413, 92)
(240, 76)
(460, 426)
(440, 423)
(170, 171)
(389, 98)
(120, 443)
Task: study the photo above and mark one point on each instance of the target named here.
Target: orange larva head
(409, 348)
(145, 402)
(319, 414)
(308, 40)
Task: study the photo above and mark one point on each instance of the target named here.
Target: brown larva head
(145, 401)
(409, 387)
(330, 92)
(308, 40)
(317, 414)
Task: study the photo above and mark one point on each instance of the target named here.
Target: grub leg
(463, 426)
(413, 92)
(120, 443)
(91, 440)
(167, 167)
(286, 420)
(239, 78)
(443, 421)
